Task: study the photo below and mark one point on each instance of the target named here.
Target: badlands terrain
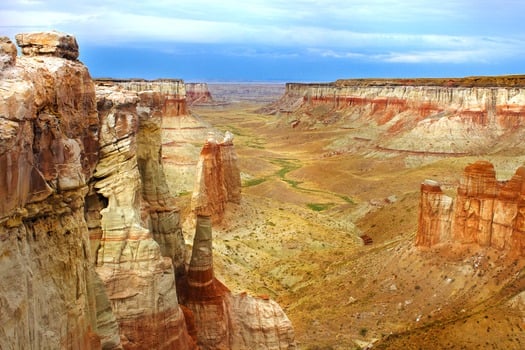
(384, 213)
(308, 196)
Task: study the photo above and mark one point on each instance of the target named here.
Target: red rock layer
(486, 212)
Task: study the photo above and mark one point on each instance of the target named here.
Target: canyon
(92, 244)
(363, 213)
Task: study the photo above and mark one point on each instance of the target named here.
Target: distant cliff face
(486, 212)
(452, 117)
(198, 93)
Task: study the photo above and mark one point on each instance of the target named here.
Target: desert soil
(296, 238)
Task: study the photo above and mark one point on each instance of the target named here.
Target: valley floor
(296, 237)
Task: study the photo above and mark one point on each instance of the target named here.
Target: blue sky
(292, 40)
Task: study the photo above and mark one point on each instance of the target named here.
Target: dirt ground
(296, 237)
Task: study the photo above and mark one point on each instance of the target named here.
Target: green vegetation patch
(253, 182)
(287, 165)
(319, 206)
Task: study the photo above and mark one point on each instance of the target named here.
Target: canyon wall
(486, 212)
(50, 296)
(139, 280)
(453, 116)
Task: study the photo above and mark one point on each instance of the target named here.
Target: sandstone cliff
(452, 116)
(50, 295)
(225, 320)
(486, 212)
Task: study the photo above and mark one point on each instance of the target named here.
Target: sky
(283, 41)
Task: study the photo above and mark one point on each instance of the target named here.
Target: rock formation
(435, 215)
(140, 282)
(90, 239)
(486, 212)
(198, 93)
(50, 296)
(48, 44)
(217, 180)
(453, 116)
(224, 320)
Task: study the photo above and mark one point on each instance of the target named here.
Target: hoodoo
(486, 212)
(218, 179)
(225, 320)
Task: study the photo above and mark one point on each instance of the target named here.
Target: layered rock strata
(50, 296)
(198, 93)
(225, 320)
(453, 117)
(180, 130)
(217, 180)
(140, 281)
(486, 212)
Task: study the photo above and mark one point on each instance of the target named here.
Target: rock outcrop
(225, 320)
(487, 212)
(50, 296)
(217, 180)
(453, 116)
(198, 93)
(48, 44)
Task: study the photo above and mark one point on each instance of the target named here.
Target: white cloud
(381, 30)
